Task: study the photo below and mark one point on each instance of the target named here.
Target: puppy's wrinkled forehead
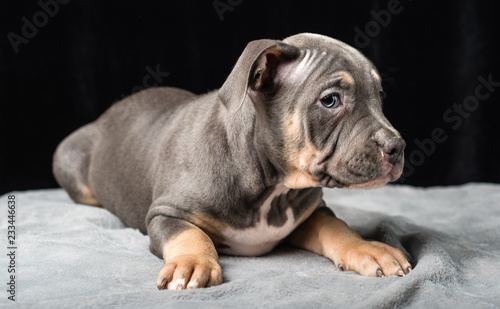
(317, 50)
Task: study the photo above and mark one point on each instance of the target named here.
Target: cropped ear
(256, 68)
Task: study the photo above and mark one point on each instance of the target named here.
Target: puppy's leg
(191, 260)
(71, 163)
(329, 236)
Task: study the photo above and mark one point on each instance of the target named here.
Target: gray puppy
(239, 170)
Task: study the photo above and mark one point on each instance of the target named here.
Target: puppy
(240, 169)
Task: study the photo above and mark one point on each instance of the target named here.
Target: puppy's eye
(331, 100)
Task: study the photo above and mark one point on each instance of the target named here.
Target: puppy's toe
(189, 272)
(374, 259)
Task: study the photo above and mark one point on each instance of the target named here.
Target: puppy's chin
(393, 175)
(301, 180)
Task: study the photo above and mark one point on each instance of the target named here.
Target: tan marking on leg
(332, 238)
(190, 261)
(87, 197)
(299, 159)
(191, 242)
(319, 230)
(209, 225)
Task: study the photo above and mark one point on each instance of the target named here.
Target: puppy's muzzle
(366, 165)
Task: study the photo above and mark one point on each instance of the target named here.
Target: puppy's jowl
(240, 169)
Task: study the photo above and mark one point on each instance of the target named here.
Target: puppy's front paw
(372, 258)
(189, 272)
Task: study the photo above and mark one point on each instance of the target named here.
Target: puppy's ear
(256, 68)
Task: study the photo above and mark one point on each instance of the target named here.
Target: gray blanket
(72, 255)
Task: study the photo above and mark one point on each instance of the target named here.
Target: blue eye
(331, 100)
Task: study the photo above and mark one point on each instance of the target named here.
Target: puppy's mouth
(388, 173)
(393, 175)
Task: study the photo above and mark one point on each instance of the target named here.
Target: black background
(91, 53)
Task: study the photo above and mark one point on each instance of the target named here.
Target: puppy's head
(318, 103)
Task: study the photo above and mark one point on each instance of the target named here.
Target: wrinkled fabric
(72, 255)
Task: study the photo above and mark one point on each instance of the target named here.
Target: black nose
(392, 150)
